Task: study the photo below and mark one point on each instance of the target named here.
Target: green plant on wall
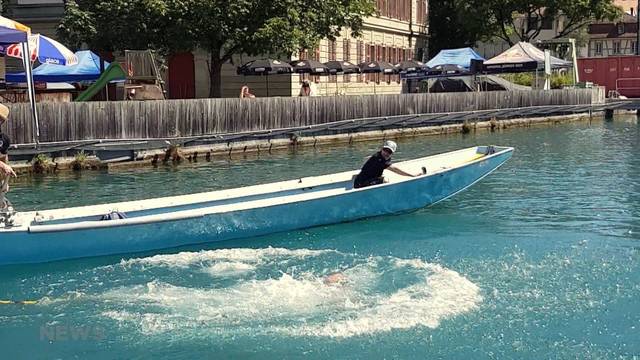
(558, 80)
(79, 161)
(41, 163)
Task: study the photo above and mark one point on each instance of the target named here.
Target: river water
(539, 260)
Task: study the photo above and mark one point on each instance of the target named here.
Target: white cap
(391, 145)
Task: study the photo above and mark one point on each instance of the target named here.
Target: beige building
(398, 33)
(628, 6)
(613, 39)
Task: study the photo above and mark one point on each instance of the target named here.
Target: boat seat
(114, 215)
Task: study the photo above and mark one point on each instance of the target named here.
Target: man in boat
(371, 173)
(6, 171)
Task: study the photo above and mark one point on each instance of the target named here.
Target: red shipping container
(621, 73)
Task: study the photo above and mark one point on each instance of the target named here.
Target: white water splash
(252, 256)
(377, 295)
(229, 269)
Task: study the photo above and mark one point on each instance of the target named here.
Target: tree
(523, 20)
(222, 27)
(113, 25)
(458, 23)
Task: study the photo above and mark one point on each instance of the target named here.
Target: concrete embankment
(177, 155)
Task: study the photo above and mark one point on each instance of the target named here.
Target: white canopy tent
(522, 57)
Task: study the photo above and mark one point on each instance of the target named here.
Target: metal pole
(26, 60)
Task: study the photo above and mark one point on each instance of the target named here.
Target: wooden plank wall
(170, 118)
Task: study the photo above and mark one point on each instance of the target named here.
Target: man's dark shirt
(371, 172)
(5, 142)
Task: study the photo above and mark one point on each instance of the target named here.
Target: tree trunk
(215, 74)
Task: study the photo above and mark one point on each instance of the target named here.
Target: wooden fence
(173, 118)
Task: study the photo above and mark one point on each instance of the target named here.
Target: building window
(547, 23)
(620, 28)
(359, 57)
(346, 56)
(532, 23)
(421, 16)
(332, 50)
(617, 47)
(633, 47)
(598, 47)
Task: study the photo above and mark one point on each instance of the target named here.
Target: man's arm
(5, 169)
(402, 172)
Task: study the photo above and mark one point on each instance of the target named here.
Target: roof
(11, 36)
(610, 36)
(523, 53)
(626, 18)
(461, 57)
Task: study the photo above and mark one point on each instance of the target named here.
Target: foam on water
(186, 259)
(286, 292)
(229, 268)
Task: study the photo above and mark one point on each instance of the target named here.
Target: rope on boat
(19, 302)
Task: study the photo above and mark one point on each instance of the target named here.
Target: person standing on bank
(371, 173)
(6, 171)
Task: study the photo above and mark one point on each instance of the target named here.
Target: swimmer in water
(335, 279)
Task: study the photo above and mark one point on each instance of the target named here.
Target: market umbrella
(13, 25)
(87, 69)
(411, 66)
(264, 67)
(45, 50)
(376, 67)
(309, 67)
(373, 67)
(14, 32)
(342, 67)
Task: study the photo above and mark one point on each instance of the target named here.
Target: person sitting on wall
(244, 93)
(371, 173)
(6, 172)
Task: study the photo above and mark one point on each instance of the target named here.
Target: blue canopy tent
(461, 57)
(87, 69)
(11, 36)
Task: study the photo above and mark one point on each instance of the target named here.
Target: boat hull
(35, 247)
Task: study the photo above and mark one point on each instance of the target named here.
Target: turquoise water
(539, 260)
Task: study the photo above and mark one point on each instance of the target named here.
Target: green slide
(112, 72)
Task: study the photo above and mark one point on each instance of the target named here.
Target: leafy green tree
(458, 23)
(523, 20)
(112, 25)
(222, 27)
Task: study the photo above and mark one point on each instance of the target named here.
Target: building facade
(628, 6)
(43, 16)
(399, 31)
(613, 38)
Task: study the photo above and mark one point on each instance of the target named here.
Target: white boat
(146, 225)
